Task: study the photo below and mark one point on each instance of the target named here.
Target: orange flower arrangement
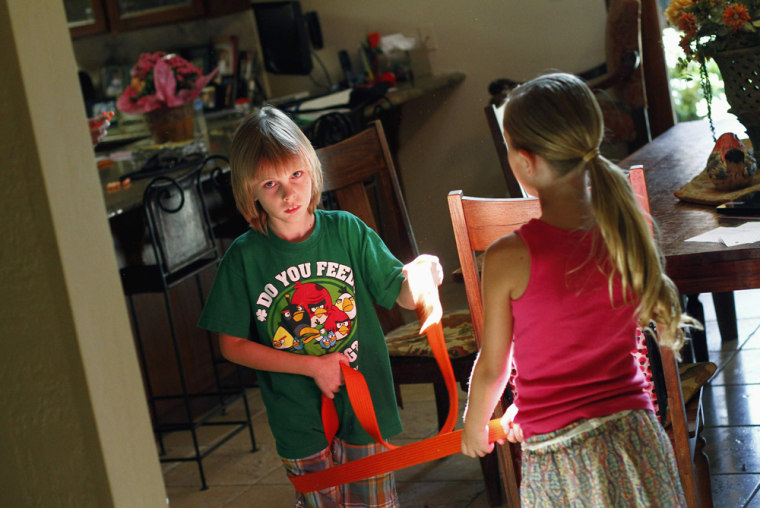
(709, 26)
(735, 16)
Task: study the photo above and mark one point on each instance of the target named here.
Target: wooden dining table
(670, 161)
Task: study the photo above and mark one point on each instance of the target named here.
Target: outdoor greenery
(685, 88)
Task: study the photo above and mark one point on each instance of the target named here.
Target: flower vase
(740, 69)
(171, 124)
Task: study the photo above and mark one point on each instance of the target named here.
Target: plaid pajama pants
(375, 492)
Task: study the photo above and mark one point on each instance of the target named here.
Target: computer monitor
(284, 37)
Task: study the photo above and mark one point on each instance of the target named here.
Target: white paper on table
(749, 232)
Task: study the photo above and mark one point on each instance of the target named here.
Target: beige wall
(74, 425)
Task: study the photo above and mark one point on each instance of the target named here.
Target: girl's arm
(324, 369)
(505, 269)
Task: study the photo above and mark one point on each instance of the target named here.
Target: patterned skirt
(625, 460)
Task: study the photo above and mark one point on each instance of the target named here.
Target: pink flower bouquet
(161, 80)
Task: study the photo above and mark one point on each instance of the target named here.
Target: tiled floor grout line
(752, 496)
(721, 367)
(749, 337)
(749, 425)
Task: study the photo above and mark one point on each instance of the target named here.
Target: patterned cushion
(457, 331)
(693, 377)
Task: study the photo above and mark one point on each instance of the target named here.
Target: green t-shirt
(311, 297)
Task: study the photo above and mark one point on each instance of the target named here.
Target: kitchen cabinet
(130, 14)
(85, 17)
(91, 17)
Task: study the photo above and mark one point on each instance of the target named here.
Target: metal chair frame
(184, 246)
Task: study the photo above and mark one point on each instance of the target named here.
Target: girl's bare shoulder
(507, 261)
(507, 248)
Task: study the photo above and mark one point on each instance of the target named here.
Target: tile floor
(238, 478)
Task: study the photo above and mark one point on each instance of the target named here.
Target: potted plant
(729, 32)
(163, 87)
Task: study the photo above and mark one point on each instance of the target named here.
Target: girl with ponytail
(562, 298)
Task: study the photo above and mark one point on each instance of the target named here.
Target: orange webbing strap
(400, 457)
(361, 400)
(444, 444)
(330, 420)
(441, 354)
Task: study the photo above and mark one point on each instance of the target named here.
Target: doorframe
(656, 77)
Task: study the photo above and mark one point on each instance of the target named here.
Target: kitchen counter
(220, 127)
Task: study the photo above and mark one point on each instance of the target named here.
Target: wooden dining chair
(360, 177)
(494, 115)
(477, 223)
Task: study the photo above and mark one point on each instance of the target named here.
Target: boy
(293, 298)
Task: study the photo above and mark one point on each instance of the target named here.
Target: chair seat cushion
(693, 377)
(457, 331)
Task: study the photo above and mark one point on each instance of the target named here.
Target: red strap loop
(444, 444)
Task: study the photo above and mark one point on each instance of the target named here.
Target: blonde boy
(293, 298)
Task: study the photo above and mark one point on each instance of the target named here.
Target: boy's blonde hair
(557, 117)
(266, 140)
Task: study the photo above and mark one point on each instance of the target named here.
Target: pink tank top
(573, 348)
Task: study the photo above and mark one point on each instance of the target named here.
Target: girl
(563, 295)
(278, 293)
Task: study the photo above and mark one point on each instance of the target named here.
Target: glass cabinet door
(85, 17)
(141, 7)
(126, 14)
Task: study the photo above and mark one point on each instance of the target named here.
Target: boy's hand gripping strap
(444, 444)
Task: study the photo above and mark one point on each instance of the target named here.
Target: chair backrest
(178, 222)
(218, 188)
(494, 115)
(360, 177)
(478, 222)
(330, 128)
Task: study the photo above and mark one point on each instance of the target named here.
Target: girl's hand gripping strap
(445, 443)
(426, 450)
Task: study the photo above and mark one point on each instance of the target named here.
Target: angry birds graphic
(295, 328)
(316, 299)
(346, 303)
(339, 324)
(314, 317)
